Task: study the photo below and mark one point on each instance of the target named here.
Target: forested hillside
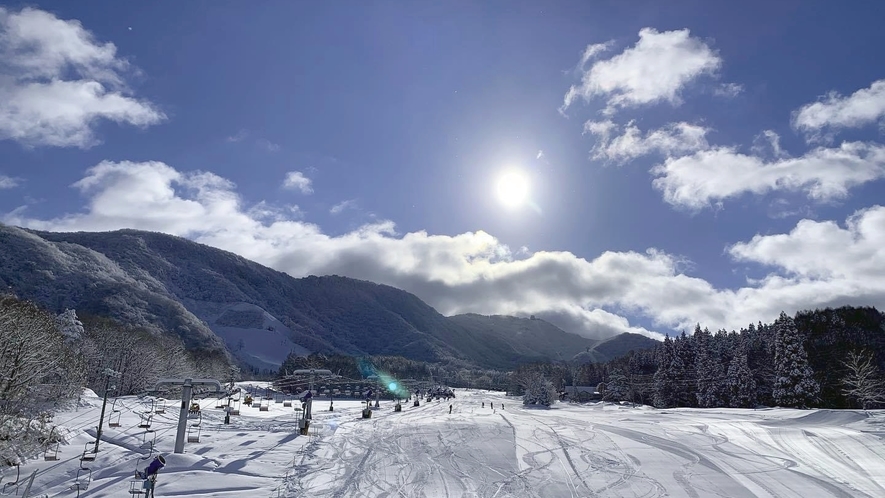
(831, 358)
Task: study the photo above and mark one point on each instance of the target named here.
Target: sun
(512, 188)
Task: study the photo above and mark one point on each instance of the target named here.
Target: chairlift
(160, 407)
(50, 454)
(193, 433)
(18, 470)
(149, 439)
(234, 407)
(287, 402)
(265, 405)
(139, 486)
(219, 403)
(146, 419)
(83, 480)
(114, 416)
(88, 453)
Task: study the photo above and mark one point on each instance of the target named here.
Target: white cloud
(238, 136)
(820, 264)
(592, 51)
(768, 140)
(696, 181)
(341, 206)
(672, 139)
(728, 90)
(8, 182)
(297, 180)
(57, 82)
(264, 211)
(267, 145)
(863, 107)
(656, 69)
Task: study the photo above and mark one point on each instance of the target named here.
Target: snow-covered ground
(509, 451)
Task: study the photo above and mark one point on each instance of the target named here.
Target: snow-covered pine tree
(708, 370)
(618, 387)
(741, 385)
(684, 370)
(539, 391)
(794, 384)
(665, 384)
(69, 326)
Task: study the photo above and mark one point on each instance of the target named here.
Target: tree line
(830, 358)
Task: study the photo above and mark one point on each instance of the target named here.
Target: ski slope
(569, 450)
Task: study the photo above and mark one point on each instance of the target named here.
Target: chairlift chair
(139, 486)
(160, 407)
(88, 453)
(149, 439)
(114, 416)
(265, 405)
(287, 402)
(146, 419)
(193, 433)
(219, 403)
(50, 454)
(234, 408)
(14, 483)
(83, 479)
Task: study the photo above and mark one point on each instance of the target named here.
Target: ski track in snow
(592, 450)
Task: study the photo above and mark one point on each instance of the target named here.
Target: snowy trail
(592, 450)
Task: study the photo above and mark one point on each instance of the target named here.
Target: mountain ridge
(216, 299)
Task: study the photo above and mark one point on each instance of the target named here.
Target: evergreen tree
(709, 372)
(665, 383)
(618, 387)
(684, 370)
(794, 384)
(741, 385)
(538, 390)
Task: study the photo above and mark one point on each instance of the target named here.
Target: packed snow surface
(569, 450)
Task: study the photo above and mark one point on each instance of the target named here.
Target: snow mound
(822, 417)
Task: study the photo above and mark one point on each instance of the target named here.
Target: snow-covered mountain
(215, 299)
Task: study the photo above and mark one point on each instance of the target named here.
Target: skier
(492, 406)
(483, 404)
(450, 409)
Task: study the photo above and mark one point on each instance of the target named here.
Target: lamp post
(110, 374)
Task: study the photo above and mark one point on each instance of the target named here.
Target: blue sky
(713, 164)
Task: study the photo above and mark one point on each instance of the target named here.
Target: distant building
(581, 393)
